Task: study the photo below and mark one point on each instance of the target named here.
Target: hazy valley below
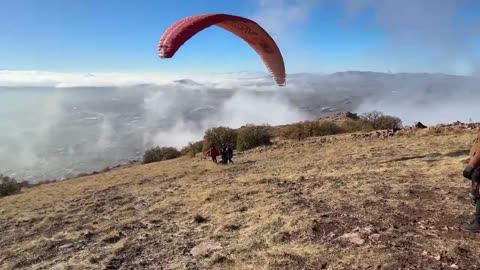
(58, 131)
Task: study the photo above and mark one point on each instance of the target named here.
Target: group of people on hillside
(226, 154)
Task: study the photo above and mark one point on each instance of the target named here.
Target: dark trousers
(475, 191)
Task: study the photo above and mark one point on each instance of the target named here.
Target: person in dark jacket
(230, 153)
(224, 153)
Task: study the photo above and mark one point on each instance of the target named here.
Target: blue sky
(314, 36)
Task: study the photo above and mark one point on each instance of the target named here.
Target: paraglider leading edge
(249, 31)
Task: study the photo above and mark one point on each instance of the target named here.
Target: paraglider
(249, 31)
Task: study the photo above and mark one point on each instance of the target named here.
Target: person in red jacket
(213, 152)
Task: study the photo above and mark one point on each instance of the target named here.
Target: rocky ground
(350, 201)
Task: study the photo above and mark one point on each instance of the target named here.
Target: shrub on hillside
(390, 122)
(294, 131)
(302, 130)
(356, 126)
(192, 149)
(159, 154)
(380, 121)
(325, 128)
(252, 136)
(8, 186)
(218, 136)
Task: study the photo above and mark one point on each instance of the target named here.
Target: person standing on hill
(230, 153)
(213, 152)
(224, 154)
(472, 172)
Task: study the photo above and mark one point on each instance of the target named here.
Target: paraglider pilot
(472, 172)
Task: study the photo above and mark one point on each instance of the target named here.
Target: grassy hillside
(337, 202)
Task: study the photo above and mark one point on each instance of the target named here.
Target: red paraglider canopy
(252, 33)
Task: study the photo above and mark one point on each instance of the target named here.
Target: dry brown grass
(285, 206)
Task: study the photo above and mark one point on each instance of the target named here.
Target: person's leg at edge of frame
(474, 225)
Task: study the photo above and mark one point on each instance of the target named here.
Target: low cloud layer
(431, 99)
(60, 80)
(15, 78)
(55, 132)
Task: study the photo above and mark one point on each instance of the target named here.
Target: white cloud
(246, 107)
(59, 79)
(279, 17)
(178, 136)
(26, 122)
(12, 78)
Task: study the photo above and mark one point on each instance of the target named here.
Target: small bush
(218, 136)
(192, 149)
(8, 186)
(159, 154)
(380, 121)
(253, 136)
(325, 128)
(297, 131)
(303, 130)
(389, 122)
(356, 126)
(199, 218)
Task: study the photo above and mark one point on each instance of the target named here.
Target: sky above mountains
(435, 36)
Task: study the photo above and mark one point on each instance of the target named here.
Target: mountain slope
(333, 202)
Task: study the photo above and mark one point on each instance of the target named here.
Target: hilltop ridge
(333, 202)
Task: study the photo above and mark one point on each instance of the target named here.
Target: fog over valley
(57, 126)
